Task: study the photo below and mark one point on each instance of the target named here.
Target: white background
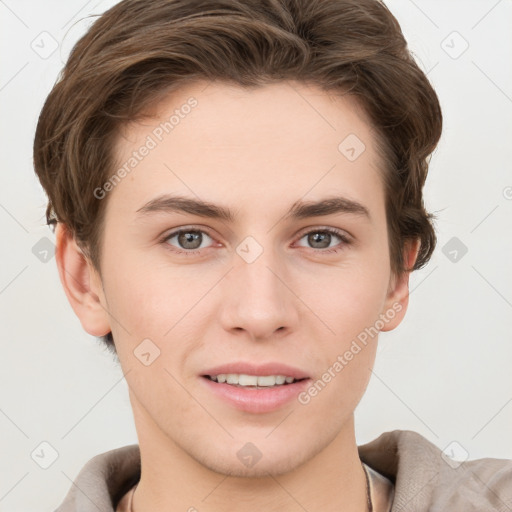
(445, 372)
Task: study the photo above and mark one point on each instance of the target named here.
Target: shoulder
(104, 479)
(428, 478)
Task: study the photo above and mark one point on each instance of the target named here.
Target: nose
(258, 298)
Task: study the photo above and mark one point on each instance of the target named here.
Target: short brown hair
(138, 51)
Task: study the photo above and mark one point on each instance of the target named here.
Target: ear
(81, 283)
(397, 298)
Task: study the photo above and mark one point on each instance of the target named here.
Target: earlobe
(81, 283)
(398, 294)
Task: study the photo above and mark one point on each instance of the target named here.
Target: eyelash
(194, 252)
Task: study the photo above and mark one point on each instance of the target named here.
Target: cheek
(153, 305)
(346, 355)
(348, 298)
(349, 301)
(148, 297)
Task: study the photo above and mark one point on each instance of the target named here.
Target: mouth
(256, 394)
(243, 380)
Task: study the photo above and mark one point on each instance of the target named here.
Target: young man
(237, 193)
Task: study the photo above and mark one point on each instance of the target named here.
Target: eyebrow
(299, 210)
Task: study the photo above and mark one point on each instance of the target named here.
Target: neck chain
(368, 492)
(130, 504)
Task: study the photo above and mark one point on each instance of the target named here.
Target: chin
(275, 464)
(260, 470)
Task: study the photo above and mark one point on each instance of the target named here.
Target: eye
(321, 238)
(189, 239)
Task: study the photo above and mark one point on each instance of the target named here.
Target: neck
(171, 479)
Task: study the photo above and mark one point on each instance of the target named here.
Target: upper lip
(270, 368)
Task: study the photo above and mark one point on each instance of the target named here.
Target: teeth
(252, 380)
(247, 380)
(268, 380)
(231, 378)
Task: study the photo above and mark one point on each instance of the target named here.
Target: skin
(256, 152)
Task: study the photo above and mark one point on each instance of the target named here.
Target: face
(261, 282)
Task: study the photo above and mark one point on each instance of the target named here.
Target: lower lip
(257, 400)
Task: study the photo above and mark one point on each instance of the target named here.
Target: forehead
(240, 145)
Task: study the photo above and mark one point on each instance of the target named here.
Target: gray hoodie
(424, 478)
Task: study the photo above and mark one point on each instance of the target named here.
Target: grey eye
(190, 239)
